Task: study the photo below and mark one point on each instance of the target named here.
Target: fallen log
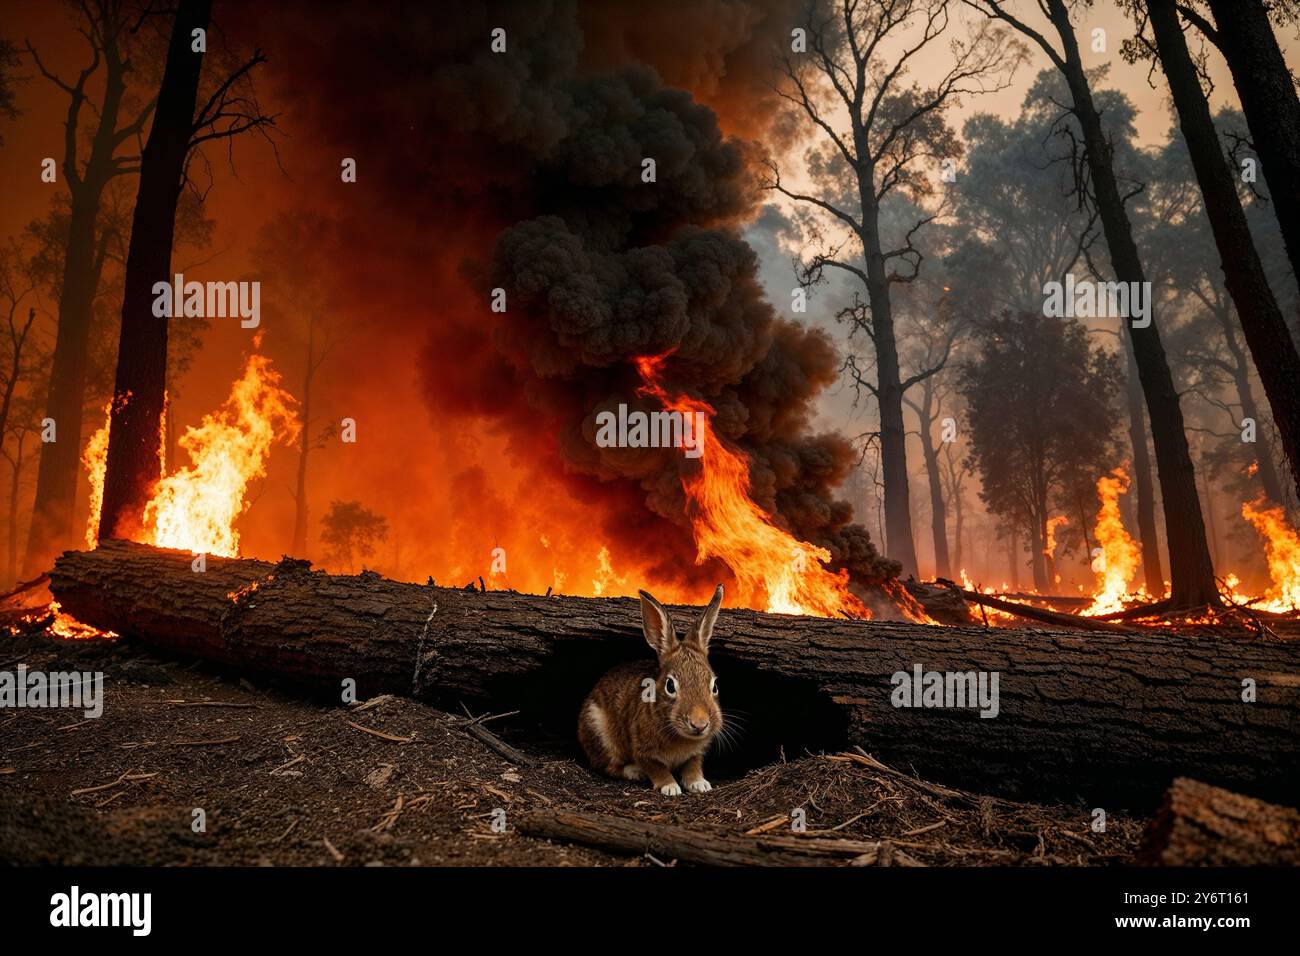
(1201, 825)
(697, 845)
(1098, 716)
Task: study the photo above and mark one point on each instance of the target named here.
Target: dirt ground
(285, 780)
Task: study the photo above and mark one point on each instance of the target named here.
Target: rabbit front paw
(671, 789)
(699, 786)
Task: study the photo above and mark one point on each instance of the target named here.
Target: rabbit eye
(670, 686)
(714, 687)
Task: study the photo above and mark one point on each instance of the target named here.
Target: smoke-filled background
(522, 170)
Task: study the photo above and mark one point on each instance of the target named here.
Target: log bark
(1099, 716)
(1201, 825)
(693, 844)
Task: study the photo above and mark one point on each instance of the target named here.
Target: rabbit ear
(656, 624)
(702, 629)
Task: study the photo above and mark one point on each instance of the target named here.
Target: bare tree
(106, 29)
(1192, 582)
(16, 284)
(876, 127)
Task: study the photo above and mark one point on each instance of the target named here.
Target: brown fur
(624, 734)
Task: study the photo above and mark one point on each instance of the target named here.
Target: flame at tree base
(195, 508)
(1118, 562)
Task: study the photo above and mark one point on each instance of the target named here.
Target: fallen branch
(1039, 614)
(490, 740)
(690, 844)
(379, 733)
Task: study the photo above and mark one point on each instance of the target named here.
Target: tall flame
(195, 508)
(774, 569)
(1120, 554)
(95, 458)
(1282, 548)
(1050, 532)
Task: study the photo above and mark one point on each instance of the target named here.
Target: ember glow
(1117, 565)
(774, 569)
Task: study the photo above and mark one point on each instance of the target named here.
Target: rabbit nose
(699, 725)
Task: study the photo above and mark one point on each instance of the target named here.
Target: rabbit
(643, 720)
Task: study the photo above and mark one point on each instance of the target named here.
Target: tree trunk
(1268, 98)
(1190, 570)
(54, 510)
(1038, 557)
(1267, 335)
(1210, 523)
(1201, 825)
(899, 542)
(959, 513)
(298, 547)
(1152, 567)
(938, 510)
(1013, 554)
(1099, 715)
(135, 437)
(11, 562)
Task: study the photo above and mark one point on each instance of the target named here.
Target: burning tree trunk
(140, 391)
(1106, 715)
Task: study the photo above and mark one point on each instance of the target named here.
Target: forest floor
(286, 780)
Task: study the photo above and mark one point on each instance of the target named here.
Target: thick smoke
(522, 170)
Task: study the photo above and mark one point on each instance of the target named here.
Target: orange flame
(1118, 563)
(195, 509)
(95, 458)
(1050, 529)
(1282, 548)
(774, 569)
(1049, 549)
